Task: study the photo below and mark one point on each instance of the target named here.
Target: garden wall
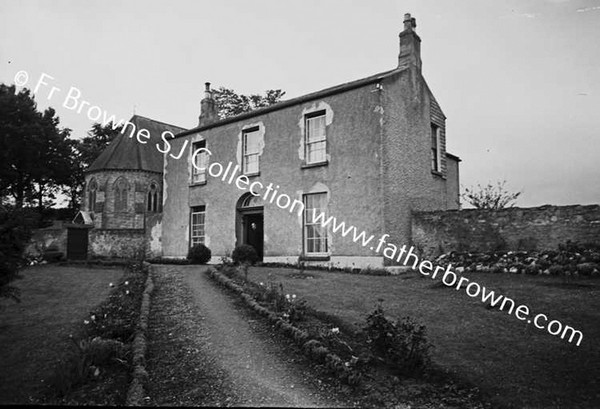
(535, 228)
(54, 236)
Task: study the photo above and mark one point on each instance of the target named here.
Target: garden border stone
(135, 393)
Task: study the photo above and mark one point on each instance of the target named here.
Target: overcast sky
(519, 80)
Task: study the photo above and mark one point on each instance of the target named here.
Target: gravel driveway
(204, 349)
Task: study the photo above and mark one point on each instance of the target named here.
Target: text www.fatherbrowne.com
(449, 278)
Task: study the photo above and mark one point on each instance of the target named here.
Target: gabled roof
(299, 100)
(127, 153)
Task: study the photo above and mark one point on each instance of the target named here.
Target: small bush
(402, 344)
(244, 254)
(199, 254)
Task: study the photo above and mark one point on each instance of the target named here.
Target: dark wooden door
(77, 244)
(254, 232)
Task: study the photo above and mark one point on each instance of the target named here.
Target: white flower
(111, 285)
(127, 292)
(335, 330)
(93, 317)
(294, 296)
(287, 296)
(126, 282)
(86, 322)
(261, 283)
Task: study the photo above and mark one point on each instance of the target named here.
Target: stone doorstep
(398, 270)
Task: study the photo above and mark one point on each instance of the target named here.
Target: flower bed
(98, 368)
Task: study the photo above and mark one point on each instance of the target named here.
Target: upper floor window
(92, 188)
(435, 148)
(315, 235)
(251, 150)
(197, 231)
(200, 163)
(121, 191)
(152, 199)
(315, 138)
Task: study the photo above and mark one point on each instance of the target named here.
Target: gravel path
(205, 350)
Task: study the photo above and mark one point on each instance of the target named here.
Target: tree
(15, 232)
(35, 154)
(490, 197)
(230, 103)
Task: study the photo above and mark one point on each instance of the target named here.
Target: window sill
(437, 173)
(314, 165)
(198, 184)
(314, 258)
(251, 175)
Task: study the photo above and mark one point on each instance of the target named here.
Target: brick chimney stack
(410, 44)
(208, 107)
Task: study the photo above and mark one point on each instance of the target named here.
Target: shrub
(403, 344)
(199, 254)
(556, 270)
(15, 232)
(244, 254)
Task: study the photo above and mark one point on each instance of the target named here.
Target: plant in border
(244, 254)
(199, 254)
(402, 344)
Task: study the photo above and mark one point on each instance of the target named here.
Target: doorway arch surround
(249, 222)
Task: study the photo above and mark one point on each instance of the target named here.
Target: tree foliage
(229, 103)
(15, 232)
(35, 154)
(490, 197)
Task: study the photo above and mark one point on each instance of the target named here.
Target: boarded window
(200, 162)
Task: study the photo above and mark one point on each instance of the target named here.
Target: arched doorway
(249, 222)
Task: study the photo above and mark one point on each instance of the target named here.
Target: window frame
(305, 226)
(92, 189)
(436, 160)
(245, 133)
(199, 176)
(307, 142)
(152, 198)
(197, 210)
(121, 192)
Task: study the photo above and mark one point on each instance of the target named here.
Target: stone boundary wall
(535, 228)
(115, 243)
(42, 239)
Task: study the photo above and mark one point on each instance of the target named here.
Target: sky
(518, 80)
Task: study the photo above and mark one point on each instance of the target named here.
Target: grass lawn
(515, 364)
(34, 333)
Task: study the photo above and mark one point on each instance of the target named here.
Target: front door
(253, 232)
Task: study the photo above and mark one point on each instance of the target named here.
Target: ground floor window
(315, 235)
(197, 224)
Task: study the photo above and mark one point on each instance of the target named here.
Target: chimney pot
(410, 23)
(208, 108)
(410, 44)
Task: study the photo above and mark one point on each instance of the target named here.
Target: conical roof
(127, 153)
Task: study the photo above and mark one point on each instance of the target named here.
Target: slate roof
(125, 153)
(298, 100)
